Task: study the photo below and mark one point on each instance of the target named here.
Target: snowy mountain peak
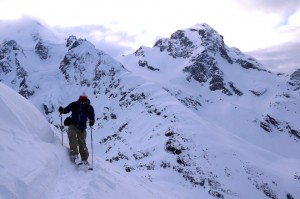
(27, 32)
(206, 58)
(200, 26)
(208, 36)
(71, 40)
(83, 64)
(198, 38)
(190, 114)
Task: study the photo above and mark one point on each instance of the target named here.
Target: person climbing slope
(82, 111)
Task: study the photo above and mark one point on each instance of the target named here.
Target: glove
(91, 122)
(61, 110)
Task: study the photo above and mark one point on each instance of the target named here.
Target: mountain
(196, 67)
(189, 114)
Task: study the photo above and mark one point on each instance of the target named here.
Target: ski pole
(61, 129)
(92, 150)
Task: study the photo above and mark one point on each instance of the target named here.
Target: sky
(267, 29)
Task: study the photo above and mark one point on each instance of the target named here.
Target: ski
(85, 166)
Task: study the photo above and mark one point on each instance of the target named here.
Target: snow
(225, 111)
(35, 165)
(19, 30)
(219, 143)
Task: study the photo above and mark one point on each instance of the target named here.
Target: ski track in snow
(76, 183)
(103, 182)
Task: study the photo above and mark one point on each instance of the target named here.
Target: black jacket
(80, 113)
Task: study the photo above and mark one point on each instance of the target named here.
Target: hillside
(190, 113)
(35, 165)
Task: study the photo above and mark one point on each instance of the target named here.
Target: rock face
(11, 68)
(206, 52)
(295, 79)
(295, 76)
(7, 50)
(203, 65)
(42, 50)
(190, 107)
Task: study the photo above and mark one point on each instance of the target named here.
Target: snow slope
(222, 85)
(35, 165)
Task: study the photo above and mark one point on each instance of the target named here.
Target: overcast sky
(267, 29)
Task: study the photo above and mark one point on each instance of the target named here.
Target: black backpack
(68, 121)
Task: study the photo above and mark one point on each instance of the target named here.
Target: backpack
(68, 121)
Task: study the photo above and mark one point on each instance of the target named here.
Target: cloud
(286, 7)
(115, 43)
(280, 58)
(295, 19)
(120, 27)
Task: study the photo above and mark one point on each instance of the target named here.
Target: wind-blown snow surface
(190, 115)
(35, 165)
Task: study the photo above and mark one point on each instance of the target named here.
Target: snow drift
(26, 151)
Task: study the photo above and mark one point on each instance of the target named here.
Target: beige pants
(77, 139)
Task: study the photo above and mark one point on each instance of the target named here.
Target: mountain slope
(224, 86)
(190, 114)
(196, 67)
(34, 164)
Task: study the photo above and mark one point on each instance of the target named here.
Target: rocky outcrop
(8, 49)
(295, 76)
(10, 55)
(42, 50)
(177, 46)
(145, 64)
(204, 68)
(71, 40)
(270, 124)
(73, 64)
(295, 80)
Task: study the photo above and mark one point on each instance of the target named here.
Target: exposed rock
(7, 56)
(235, 90)
(258, 93)
(295, 80)
(178, 46)
(269, 124)
(295, 76)
(139, 52)
(42, 50)
(48, 110)
(71, 40)
(246, 61)
(200, 67)
(145, 64)
(24, 90)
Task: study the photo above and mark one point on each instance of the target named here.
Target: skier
(81, 111)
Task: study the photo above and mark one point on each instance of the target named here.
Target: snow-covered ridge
(191, 110)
